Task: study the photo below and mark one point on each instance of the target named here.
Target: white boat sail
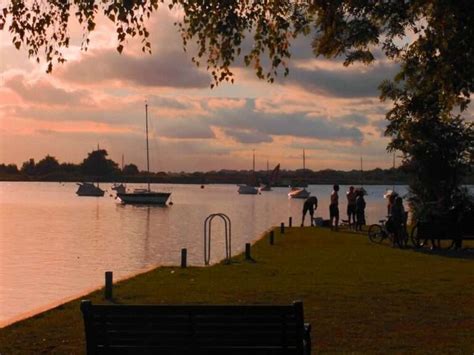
(89, 189)
(298, 192)
(248, 189)
(145, 196)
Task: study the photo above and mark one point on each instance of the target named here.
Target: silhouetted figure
(334, 208)
(397, 217)
(310, 205)
(360, 210)
(351, 206)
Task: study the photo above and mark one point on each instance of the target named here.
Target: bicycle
(378, 233)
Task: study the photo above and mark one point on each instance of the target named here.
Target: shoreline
(350, 288)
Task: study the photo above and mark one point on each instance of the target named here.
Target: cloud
(44, 92)
(248, 136)
(285, 124)
(349, 82)
(167, 69)
(353, 118)
(184, 128)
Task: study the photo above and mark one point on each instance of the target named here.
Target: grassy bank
(358, 296)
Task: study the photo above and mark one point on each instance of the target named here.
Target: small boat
(271, 180)
(89, 189)
(145, 196)
(299, 193)
(247, 190)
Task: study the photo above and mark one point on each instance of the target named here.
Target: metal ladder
(208, 233)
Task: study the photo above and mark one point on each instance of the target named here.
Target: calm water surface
(55, 245)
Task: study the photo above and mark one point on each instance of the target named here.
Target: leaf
(120, 48)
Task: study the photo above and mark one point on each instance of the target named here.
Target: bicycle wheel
(376, 233)
(417, 241)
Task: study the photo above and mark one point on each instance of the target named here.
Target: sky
(97, 98)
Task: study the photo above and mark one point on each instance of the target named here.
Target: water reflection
(54, 244)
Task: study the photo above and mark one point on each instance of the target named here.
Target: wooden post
(290, 222)
(108, 285)
(282, 228)
(184, 254)
(272, 238)
(247, 252)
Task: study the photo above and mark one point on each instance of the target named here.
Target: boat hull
(144, 198)
(300, 193)
(247, 190)
(87, 189)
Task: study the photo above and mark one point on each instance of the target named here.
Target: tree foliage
(97, 164)
(431, 39)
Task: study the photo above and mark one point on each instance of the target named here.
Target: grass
(358, 296)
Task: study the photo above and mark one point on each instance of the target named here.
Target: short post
(247, 252)
(272, 238)
(282, 228)
(290, 222)
(108, 285)
(184, 254)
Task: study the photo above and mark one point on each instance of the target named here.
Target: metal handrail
(208, 234)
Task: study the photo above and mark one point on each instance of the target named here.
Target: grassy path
(359, 297)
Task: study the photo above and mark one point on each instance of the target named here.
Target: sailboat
(145, 196)
(271, 179)
(89, 189)
(298, 192)
(248, 189)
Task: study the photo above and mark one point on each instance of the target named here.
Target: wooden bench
(196, 329)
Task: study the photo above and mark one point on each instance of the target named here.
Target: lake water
(55, 246)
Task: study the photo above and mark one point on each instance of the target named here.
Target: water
(55, 246)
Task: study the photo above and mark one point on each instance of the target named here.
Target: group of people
(355, 208)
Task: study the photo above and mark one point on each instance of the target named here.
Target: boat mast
(253, 165)
(147, 153)
(361, 173)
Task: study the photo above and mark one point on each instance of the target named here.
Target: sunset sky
(98, 96)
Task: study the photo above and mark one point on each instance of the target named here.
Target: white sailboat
(248, 189)
(300, 192)
(145, 196)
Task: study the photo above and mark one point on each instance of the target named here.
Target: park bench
(196, 329)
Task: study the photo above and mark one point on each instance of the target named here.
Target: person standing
(334, 208)
(398, 219)
(310, 205)
(351, 206)
(360, 210)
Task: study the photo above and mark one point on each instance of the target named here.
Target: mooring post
(290, 222)
(272, 238)
(108, 285)
(184, 254)
(282, 228)
(247, 252)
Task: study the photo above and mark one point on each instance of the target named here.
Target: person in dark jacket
(310, 205)
(360, 210)
(397, 219)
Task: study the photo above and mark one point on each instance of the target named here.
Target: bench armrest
(307, 339)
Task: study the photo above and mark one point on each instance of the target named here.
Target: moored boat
(89, 189)
(144, 196)
(299, 193)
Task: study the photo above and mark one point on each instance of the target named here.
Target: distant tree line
(97, 167)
